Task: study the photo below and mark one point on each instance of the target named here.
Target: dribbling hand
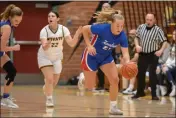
(91, 50)
(16, 47)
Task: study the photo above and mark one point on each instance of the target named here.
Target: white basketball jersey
(54, 52)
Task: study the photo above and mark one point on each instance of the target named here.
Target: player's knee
(50, 80)
(11, 72)
(114, 81)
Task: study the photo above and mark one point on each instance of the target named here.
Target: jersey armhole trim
(46, 32)
(63, 32)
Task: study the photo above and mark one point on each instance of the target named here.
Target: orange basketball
(129, 70)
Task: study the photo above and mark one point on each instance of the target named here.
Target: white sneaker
(128, 91)
(172, 94)
(49, 102)
(8, 102)
(10, 97)
(163, 90)
(81, 85)
(115, 111)
(134, 92)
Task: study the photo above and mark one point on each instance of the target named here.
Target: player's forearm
(6, 48)
(86, 35)
(75, 40)
(126, 57)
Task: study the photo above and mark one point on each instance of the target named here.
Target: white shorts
(43, 61)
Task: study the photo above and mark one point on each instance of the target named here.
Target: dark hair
(11, 10)
(57, 15)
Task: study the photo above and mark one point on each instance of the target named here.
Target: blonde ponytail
(108, 16)
(11, 10)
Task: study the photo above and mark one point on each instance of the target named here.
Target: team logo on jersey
(108, 46)
(55, 41)
(55, 38)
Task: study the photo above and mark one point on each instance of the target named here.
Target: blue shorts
(92, 63)
(1, 53)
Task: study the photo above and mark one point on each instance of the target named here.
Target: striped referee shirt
(150, 39)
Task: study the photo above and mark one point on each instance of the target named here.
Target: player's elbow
(86, 28)
(71, 44)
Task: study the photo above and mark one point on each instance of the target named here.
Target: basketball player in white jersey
(50, 53)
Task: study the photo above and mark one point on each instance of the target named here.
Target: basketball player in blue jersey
(10, 18)
(98, 53)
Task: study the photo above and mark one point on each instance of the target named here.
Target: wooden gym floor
(70, 103)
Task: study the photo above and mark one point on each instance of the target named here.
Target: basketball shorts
(43, 61)
(92, 63)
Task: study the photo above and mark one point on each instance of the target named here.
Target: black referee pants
(147, 60)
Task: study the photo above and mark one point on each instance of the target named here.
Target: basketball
(129, 70)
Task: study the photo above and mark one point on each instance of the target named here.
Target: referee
(150, 43)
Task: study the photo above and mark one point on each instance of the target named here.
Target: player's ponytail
(12, 11)
(108, 16)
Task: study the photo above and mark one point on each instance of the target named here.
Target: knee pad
(11, 72)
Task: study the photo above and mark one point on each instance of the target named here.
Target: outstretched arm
(73, 41)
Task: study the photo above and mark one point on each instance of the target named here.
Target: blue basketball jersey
(2, 23)
(103, 41)
(5, 23)
(106, 41)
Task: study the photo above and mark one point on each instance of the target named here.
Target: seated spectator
(160, 75)
(168, 68)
